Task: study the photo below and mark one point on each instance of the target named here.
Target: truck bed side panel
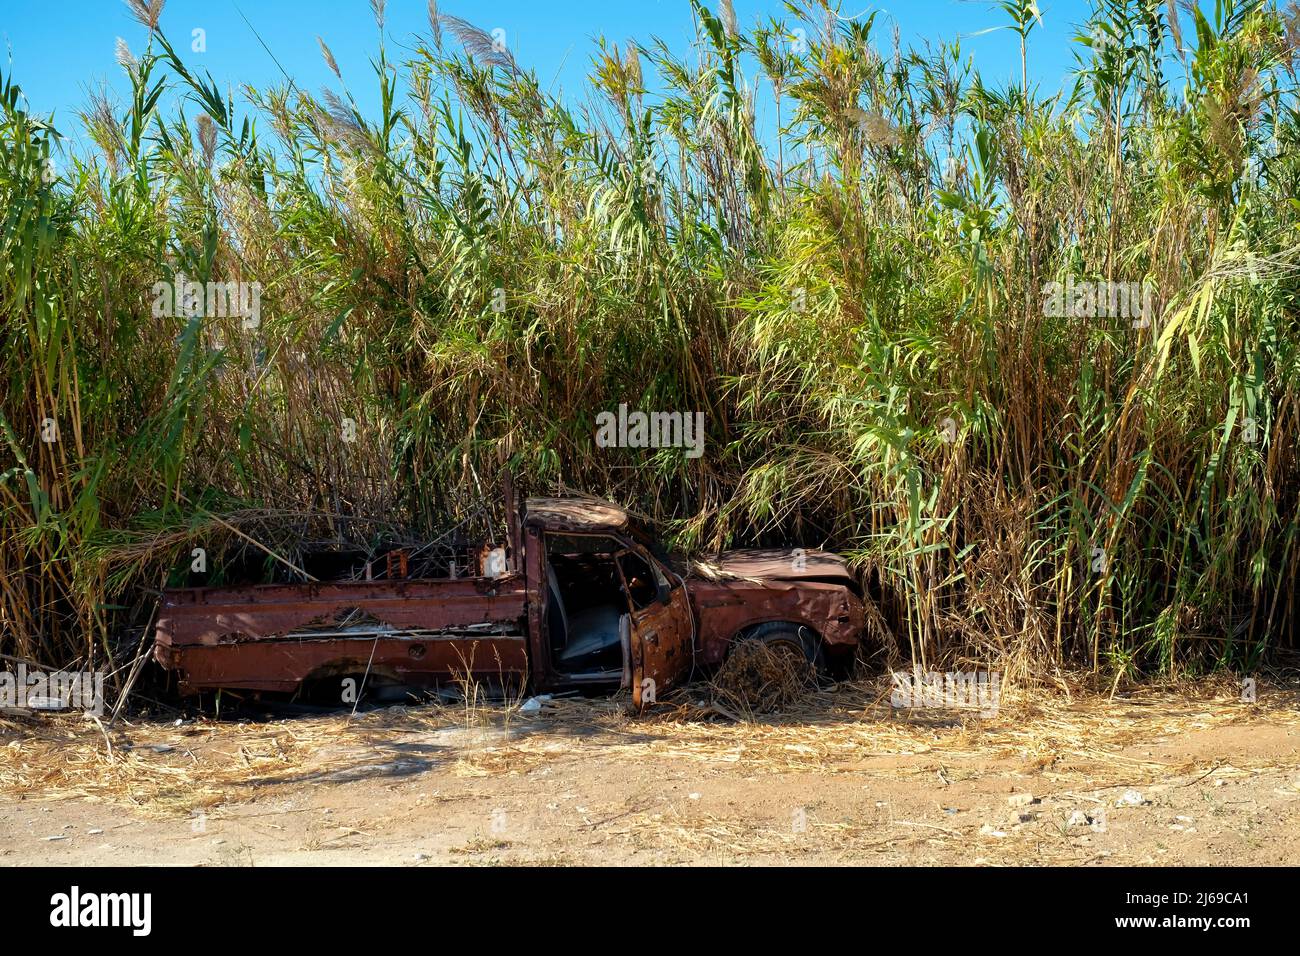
(272, 637)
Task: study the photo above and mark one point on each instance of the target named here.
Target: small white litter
(39, 702)
(533, 705)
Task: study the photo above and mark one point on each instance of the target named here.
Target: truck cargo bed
(276, 637)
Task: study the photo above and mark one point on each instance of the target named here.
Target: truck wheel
(348, 688)
(800, 639)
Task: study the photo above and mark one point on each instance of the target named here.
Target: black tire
(803, 638)
(327, 690)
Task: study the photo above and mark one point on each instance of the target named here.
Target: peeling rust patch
(585, 515)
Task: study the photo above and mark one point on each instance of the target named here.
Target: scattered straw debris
(762, 678)
(165, 770)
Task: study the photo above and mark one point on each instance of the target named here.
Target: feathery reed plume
(105, 131)
(632, 65)
(435, 24)
(1174, 28)
(478, 44)
(329, 58)
(146, 12)
(377, 8)
(341, 123)
(727, 14)
(207, 137)
(875, 126)
(1292, 26)
(125, 58)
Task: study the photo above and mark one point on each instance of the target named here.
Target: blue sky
(58, 52)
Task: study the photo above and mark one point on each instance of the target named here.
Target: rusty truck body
(586, 599)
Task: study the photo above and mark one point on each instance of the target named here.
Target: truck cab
(611, 611)
(618, 610)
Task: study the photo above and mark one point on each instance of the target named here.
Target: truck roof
(575, 514)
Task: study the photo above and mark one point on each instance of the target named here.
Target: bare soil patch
(1184, 775)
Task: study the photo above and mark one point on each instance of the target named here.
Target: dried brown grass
(160, 769)
(761, 678)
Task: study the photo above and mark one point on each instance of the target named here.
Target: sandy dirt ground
(1192, 775)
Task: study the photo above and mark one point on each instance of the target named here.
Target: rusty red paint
(725, 609)
(273, 637)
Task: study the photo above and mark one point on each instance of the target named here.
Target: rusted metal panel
(282, 665)
(398, 564)
(661, 646)
(725, 608)
(271, 637)
(205, 615)
(535, 571)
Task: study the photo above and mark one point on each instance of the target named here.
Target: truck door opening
(586, 605)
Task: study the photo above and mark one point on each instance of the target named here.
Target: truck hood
(774, 564)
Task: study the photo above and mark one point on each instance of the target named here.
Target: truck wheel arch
(787, 632)
(327, 680)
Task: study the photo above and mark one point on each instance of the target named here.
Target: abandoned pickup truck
(585, 599)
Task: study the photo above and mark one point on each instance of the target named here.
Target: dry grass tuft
(760, 678)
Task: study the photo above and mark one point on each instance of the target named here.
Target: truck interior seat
(588, 598)
(555, 599)
(591, 631)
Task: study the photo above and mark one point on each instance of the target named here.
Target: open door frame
(659, 646)
(662, 635)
